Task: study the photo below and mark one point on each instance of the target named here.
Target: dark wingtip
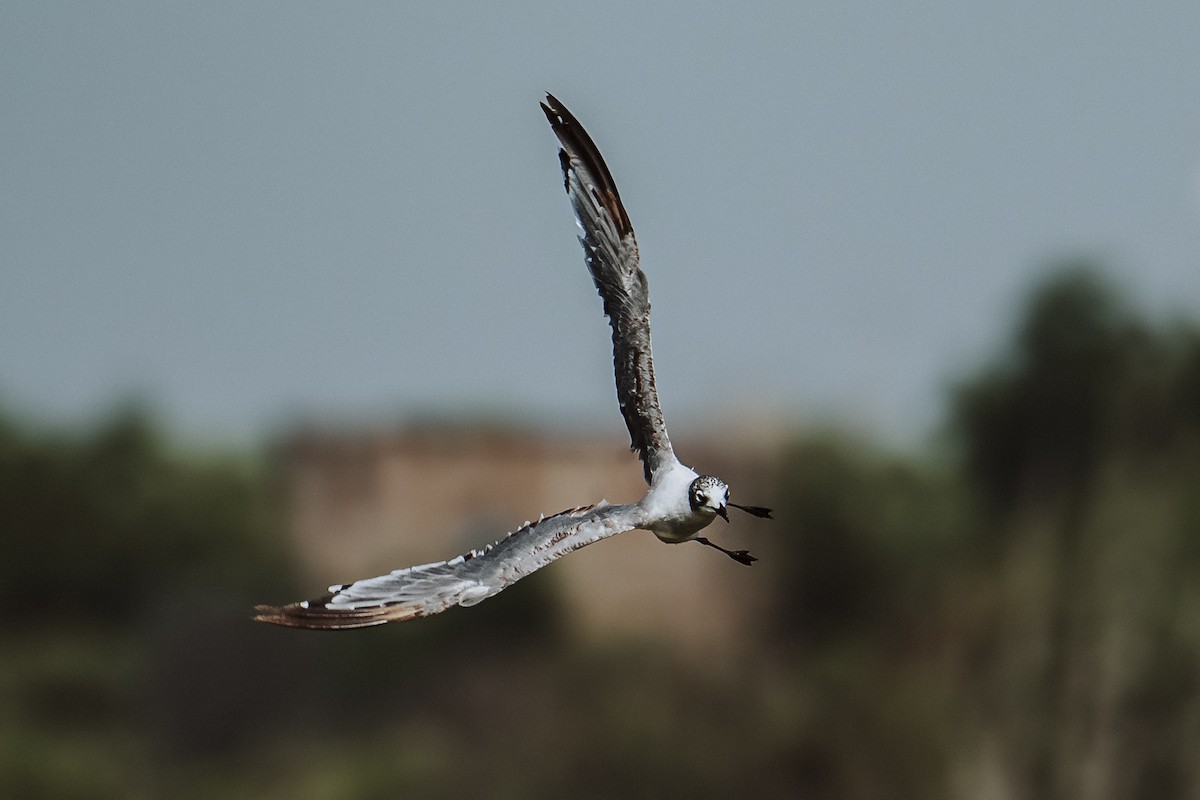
(578, 144)
(314, 615)
(555, 111)
(273, 615)
(548, 109)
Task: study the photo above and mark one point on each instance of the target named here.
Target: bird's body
(671, 516)
(680, 502)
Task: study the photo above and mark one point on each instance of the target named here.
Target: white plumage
(679, 504)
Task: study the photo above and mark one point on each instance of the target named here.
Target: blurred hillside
(1014, 613)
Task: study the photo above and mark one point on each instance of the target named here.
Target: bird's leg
(740, 556)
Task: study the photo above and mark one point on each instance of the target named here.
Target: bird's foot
(740, 556)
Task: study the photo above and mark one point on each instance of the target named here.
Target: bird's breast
(682, 526)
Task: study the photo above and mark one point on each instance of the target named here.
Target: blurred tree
(1033, 424)
(863, 529)
(1082, 441)
(866, 545)
(98, 525)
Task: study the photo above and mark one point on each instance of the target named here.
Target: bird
(679, 503)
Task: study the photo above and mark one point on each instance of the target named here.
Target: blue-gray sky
(248, 212)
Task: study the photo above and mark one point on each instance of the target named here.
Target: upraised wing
(462, 581)
(611, 252)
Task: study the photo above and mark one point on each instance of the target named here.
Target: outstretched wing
(462, 581)
(611, 252)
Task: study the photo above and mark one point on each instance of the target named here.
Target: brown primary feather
(576, 142)
(318, 617)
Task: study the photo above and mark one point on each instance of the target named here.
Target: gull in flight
(680, 502)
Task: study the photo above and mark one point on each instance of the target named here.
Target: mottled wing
(462, 581)
(611, 252)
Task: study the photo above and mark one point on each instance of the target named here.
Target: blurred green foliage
(1016, 614)
(99, 526)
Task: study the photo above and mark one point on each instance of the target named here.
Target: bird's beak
(723, 513)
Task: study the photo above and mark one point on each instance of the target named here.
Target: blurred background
(290, 295)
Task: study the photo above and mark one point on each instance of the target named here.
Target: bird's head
(709, 494)
(712, 494)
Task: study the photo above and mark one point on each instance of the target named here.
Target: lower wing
(465, 580)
